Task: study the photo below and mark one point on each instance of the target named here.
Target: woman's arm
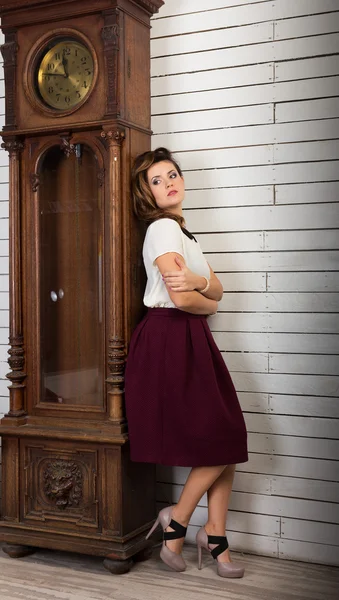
(215, 291)
(184, 280)
(188, 301)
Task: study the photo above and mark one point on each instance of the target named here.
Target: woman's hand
(183, 280)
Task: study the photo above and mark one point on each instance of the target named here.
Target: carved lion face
(63, 483)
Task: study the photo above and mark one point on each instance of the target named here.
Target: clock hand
(65, 65)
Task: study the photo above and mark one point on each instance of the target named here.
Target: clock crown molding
(10, 6)
(151, 5)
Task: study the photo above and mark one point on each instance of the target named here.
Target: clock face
(65, 74)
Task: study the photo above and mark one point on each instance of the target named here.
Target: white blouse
(162, 236)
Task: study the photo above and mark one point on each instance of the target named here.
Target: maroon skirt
(182, 408)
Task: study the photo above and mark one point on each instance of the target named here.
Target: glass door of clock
(71, 294)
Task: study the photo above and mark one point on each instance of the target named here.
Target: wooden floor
(49, 575)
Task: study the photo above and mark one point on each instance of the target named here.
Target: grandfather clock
(77, 80)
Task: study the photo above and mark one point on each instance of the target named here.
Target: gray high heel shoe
(171, 559)
(224, 569)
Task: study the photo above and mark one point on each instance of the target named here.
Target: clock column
(17, 355)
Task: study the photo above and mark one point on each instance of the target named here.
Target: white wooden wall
(246, 94)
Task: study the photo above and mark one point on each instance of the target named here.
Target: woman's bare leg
(198, 482)
(218, 497)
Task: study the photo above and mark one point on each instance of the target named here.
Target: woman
(182, 408)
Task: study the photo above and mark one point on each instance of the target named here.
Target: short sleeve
(163, 235)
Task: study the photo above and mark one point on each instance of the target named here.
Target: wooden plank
(4, 331)
(4, 355)
(4, 316)
(254, 402)
(221, 38)
(4, 193)
(4, 368)
(247, 362)
(306, 68)
(305, 111)
(233, 136)
(312, 468)
(275, 261)
(265, 218)
(294, 446)
(4, 403)
(274, 383)
(293, 425)
(304, 364)
(303, 7)
(234, 242)
(243, 482)
(292, 487)
(4, 169)
(305, 193)
(232, 157)
(244, 196)
(3, 158)
(169, 9)
(268, 525)
(301, 240)
(3, 247)
(286, 91)
(296, 343)
(306, 151)
(238, 15)
(243, 542)
(4, 210)
(280, 302)
(306, 25)
(4, 229)
(254, 282)
(4, 284)
(268, 505)
(303, 282)
(313, 406)
(213, 119)
(233, 57)
(263, 175)
(253, 524)
(4, 299)
(213, 19)
(252, 483)
(306, 551)
(276, 322)
(213, 79)
(4, 264)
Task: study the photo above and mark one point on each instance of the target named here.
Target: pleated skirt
(181, 404)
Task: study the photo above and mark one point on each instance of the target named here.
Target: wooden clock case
(67, 479)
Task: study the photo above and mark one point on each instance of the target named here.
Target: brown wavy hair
(144, 204)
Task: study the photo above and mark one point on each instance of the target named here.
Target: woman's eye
(173, 175)
(156, 181)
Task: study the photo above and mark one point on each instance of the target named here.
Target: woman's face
(167, 187)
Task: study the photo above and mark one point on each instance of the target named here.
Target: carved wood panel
(60, 485)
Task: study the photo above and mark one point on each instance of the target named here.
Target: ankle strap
(222, 542)
(179, 531)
